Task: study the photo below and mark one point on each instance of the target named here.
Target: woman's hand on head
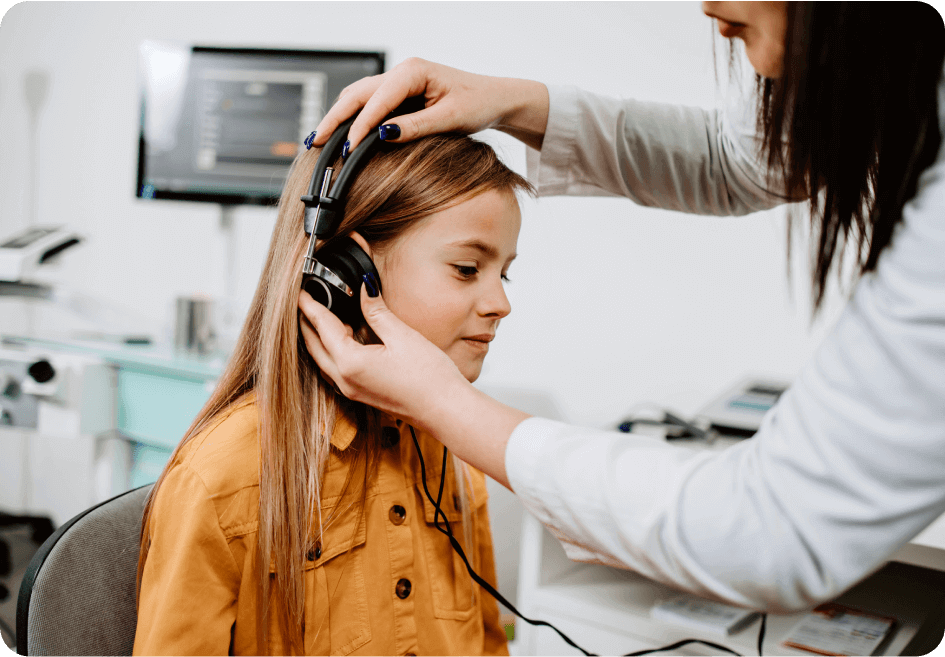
(404, 376)
(456, 101)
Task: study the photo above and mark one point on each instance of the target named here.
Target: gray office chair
(78, 594)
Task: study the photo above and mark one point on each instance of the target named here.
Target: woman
(290, 520)
(851, 463)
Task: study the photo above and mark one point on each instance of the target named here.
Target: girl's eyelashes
(466, 271)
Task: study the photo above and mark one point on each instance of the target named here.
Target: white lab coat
(846, 468)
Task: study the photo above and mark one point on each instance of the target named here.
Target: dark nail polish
(371, 283)
(344, 150)
(308, 140)
(390, 131)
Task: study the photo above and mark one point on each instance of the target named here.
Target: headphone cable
(448, 532)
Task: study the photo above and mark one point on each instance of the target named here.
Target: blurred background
(134, 312)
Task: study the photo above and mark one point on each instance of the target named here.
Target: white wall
(614, 305)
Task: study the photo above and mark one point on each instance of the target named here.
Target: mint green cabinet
(156, 408)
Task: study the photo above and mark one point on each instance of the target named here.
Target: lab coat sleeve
(189, 587)
(666, 156)
(846, 468)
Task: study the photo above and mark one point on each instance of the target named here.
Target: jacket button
(403, 588)
(397, 514)
(390, 436)
(315, 553)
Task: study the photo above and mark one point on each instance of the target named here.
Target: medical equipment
(739, 411)
(223, 124)
(24, 379)
(670, 427)
(53, 430)
(735, 414)
(35, 299)
(23, 255)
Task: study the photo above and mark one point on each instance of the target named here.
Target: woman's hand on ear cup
(404, 376)
(312, 342)
(455, 101)
(412, 379)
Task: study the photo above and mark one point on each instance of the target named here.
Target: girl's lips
(482, 337)
(729, 30)
(479, 342)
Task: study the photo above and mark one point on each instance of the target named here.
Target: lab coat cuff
(549, 169)
(529, 441)
(521, 453)
(524, 454)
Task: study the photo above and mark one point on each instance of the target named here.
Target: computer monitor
(222, 125)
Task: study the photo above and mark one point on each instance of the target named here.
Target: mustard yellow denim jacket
(398, 588)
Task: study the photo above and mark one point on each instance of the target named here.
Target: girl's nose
(495, 303)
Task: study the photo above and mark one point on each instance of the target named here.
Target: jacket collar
(346, 428)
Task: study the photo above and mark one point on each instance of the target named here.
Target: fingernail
(389, 131)
(371, 283)
(344, 150)
(308, 141)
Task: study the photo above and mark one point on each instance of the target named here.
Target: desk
(607, 610)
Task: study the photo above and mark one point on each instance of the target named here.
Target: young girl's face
(445, 277)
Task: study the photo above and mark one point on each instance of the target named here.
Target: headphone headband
(335, 277)
(324, 209)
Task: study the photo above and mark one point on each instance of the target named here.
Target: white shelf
(607, 610)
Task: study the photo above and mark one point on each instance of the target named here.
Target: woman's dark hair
(853, 121)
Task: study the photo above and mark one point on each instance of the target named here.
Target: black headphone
(335, 277)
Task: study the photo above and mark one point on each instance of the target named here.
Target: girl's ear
(356, 236)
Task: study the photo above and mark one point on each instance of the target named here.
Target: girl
(292, 520)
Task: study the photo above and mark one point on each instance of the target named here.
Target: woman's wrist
(472, 425)
(527, 114)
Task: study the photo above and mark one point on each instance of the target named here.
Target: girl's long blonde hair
(296, 407)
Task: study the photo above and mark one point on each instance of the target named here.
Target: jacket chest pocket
(337, 620)
(455, 594)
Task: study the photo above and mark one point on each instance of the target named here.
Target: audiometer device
(23, 253)
(739, 411)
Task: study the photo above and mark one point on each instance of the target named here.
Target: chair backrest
(78, 594)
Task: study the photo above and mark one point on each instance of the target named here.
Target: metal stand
(228, 328)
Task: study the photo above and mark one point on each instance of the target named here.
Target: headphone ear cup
(347, 260)
(365, 264)
(320, 291)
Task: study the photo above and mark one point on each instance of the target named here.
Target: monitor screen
(223, 124)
